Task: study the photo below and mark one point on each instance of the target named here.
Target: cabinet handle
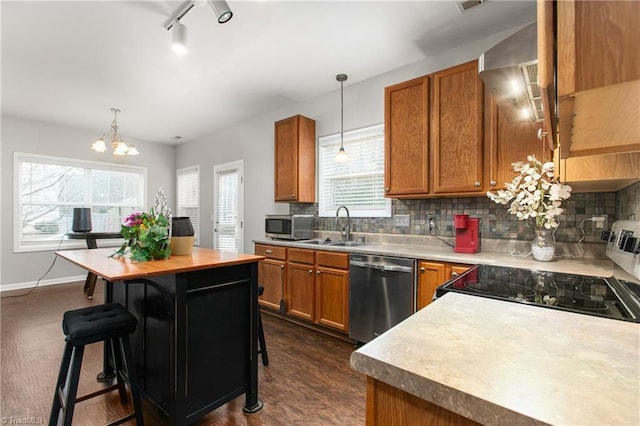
(318, 272)
(477, 184)
(492, 183)
(422, 269)
(311, 271)
(281, 266)
(268, 251)
(454, 274)
(386, 189)
(293, 195)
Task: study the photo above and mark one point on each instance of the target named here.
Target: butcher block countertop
(502, 363)
(123, 268)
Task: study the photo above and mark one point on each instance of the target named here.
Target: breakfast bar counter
(195, 346)
(466, 360)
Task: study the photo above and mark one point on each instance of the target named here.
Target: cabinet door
(430, 276)
(332, 298)
(301, 289)
(286, 159)
(295, 159)
(272, 276)
(457, 130)
(508, 143)
(406, 144)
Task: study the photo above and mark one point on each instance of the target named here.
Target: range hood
(510, 71)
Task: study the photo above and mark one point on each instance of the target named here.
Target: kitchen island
(195, 346)
(466, 360)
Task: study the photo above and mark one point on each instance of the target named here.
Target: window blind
(357, 183)
(227, 211)
(189, 197)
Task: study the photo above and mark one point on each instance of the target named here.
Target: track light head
(179, 38)
(221, 9)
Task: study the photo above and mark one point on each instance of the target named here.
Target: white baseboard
(43, 283)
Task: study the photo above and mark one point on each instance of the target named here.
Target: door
(228, 206)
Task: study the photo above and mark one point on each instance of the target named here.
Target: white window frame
(239, 166)
(20, 157)
(332, 142)
(195, 223)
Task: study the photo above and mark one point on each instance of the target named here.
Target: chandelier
(117, 144)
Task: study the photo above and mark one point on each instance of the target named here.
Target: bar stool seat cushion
(95, 323)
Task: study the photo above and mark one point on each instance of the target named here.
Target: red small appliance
(467, 233)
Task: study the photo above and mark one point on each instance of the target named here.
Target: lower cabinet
(272, 275)
(314, 284)
(432, 275)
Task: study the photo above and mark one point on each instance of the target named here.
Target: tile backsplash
(496, 222)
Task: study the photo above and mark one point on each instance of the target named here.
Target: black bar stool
(112, 324)
(263, 346)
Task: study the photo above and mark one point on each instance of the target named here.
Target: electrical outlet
(599, 222)
(402, 220)
(431, 225)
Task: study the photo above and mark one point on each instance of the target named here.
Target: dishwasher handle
(382, 267)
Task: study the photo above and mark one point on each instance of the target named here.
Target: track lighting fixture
(342, 156)
(221, 9)
(179, 33)
(179, 38)
(117, 144)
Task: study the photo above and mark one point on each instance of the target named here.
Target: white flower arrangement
(535, 192)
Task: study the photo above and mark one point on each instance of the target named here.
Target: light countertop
(582, 266)
(507, 363)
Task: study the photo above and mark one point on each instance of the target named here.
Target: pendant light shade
(342, 156)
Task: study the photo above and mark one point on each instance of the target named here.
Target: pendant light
(342, 154)
(118, 146)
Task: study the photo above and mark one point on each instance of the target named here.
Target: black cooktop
(605, 297)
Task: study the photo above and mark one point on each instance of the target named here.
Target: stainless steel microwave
(289, 227)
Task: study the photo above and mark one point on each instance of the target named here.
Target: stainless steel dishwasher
(381, 294)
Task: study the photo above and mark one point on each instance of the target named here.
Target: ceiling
(69, 62)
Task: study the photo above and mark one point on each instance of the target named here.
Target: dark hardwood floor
(308, 380)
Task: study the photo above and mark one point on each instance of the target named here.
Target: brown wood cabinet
(314, 285)
(507, 143)
(598, 74)
(457, 130)
(434, 134)
(272, 274)
(332, 289)
(431, 275)
(295, 160)
(301, 283)
(388, 405)
(407, 139)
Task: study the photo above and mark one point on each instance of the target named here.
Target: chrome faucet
(348, 233)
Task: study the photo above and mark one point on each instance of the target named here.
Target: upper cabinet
(295, 160)
(598, 76)
(434, 134)
(456, 130)
(406, 139)
(507, 142)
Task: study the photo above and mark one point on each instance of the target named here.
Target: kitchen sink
(346, 243)
(333, 243)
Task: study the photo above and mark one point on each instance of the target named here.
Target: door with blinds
(228, 206)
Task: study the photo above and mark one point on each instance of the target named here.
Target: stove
(606, 297)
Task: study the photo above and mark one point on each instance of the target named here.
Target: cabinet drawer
(332, 259)
(301, 256)
(271, 252)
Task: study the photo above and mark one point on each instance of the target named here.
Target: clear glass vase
(543, 246)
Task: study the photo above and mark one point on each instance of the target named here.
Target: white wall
(252, 139)
(22, 135)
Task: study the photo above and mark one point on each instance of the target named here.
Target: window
(188, 187)
(357, 183)
(46, 189)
